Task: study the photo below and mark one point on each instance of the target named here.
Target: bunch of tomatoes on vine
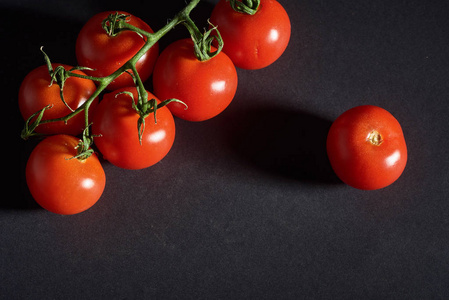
(194, 79)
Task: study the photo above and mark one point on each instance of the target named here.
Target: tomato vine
(113, 25)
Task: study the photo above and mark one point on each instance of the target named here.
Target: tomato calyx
(117, 22)
(375, 138)
(60, 76)
(203, 41)
(83, 149)
(248, 7)
(113, 24)
(144, 107)
(28, 129)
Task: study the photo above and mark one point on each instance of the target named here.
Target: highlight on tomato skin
(206, 87)
(253, 41)
(366, 147)
(60, 183)
(115, 125)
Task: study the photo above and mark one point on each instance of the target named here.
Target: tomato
(116, 121)
(35, 93)
(253, 41)
(206, 87)
(60, 184)
(97, 50)
(366, 147)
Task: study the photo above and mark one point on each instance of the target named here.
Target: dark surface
(246, 205)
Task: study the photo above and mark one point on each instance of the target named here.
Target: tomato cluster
(64, 180)
(133, 128)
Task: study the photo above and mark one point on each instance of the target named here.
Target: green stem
(142, 92)
(151, 39)
(203, 42)
(248, 7)
(143, 107)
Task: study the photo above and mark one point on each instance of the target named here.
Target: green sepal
(145, 108)
(248, 7)
(83, 149)
(113, 24)
(60, 75)
(28, 130)
(202, 42)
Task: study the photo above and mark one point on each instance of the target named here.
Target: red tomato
(97, 50)
(116, 121)
(253, 41)
(35, 93)
(62, 185)
(207, 87)
(366, 147)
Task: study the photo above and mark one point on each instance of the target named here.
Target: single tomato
(366, 147)
(253, 41)
(116, 121)
(60, 184)
(105, 54)
(206, 87)
(35, 93)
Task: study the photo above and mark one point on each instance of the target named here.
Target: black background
(246, 205)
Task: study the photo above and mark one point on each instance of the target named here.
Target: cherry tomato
(35, 93)
(116, 121)
(207, 87)
(60, 184)
(366, 147)
(253, 41)
(97, 50)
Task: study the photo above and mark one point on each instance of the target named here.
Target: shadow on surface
(285, 142)
(23, 55)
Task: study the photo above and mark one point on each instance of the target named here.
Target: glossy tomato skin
(62, 185)
(207, 87)
(35, 93)
(116, 121)
(366, 147)
(253, 41)
(97, 50)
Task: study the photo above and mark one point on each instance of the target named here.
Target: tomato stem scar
(375, 138)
